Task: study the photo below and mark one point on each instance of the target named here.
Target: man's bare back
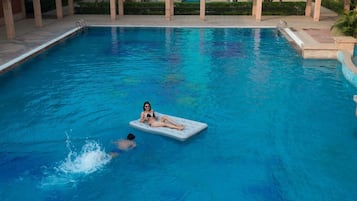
(123, 145)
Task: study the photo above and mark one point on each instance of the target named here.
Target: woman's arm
(142, 117)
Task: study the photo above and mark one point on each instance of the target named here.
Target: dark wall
(16, 7)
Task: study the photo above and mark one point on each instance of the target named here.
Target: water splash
(91, 158)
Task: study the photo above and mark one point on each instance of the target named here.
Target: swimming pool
(279, 127)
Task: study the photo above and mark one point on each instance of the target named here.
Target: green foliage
(347, 24)
(92, 8)
(338, 5)
(193, 8)
(283, 8)
(335, 5)
(145, 8)
(214, 8)
(46, 5)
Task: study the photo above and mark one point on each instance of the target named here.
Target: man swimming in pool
(123, 145)
(148, 115)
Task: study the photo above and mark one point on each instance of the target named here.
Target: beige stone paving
(29, 37)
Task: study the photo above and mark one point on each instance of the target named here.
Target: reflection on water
(280, 127)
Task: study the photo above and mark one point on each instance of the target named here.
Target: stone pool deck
(310, 34)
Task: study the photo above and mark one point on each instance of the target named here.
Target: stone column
(258, 13)
(308, 8)
(70, 7)
(168, 9)
(23, 8)
(121, 7)
(202, 9)
(317, 10)
(59, 9)
(172, 8)
(9, 19)
(112, 10)
(37, 12)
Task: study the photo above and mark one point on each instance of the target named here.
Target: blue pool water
(279, 127)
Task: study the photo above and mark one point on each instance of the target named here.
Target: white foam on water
(91, 158)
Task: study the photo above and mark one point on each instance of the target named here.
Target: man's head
(130, 136)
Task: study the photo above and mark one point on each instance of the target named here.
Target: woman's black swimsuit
(149, 115)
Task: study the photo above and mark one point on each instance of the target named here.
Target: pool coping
(13, 62)
(349, 69)
(186, 26)
(294, 37)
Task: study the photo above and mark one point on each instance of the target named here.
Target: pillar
(308, 8)
(59, 9)
(258, 12)
(23, 8)
(9, 19)
(172, 8)
(317, 10)
(121, 7)
(202, 9)
(168, 9)
(70, 7)
(37, 13)
(112, 10)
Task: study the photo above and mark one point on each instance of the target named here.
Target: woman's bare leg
(166, 118)
(173, 126)
(163, 124)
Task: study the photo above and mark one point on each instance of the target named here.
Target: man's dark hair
(130, 136)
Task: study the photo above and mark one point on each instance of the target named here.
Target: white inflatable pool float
(191, 128)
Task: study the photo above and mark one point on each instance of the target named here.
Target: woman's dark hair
(130, 136)
(146, 102)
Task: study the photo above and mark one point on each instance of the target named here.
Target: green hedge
(46, 5)
(214, 8)
(188, 8)
(338, 5)
(145, 8)
(284, 8)
(335, 5)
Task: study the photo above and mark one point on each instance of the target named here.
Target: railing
(81, 23)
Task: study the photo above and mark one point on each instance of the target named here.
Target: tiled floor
(320, 35)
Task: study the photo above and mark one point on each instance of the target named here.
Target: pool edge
(349, 70)
(13, 62)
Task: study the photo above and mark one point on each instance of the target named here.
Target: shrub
(347, 24)
(193, 8)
